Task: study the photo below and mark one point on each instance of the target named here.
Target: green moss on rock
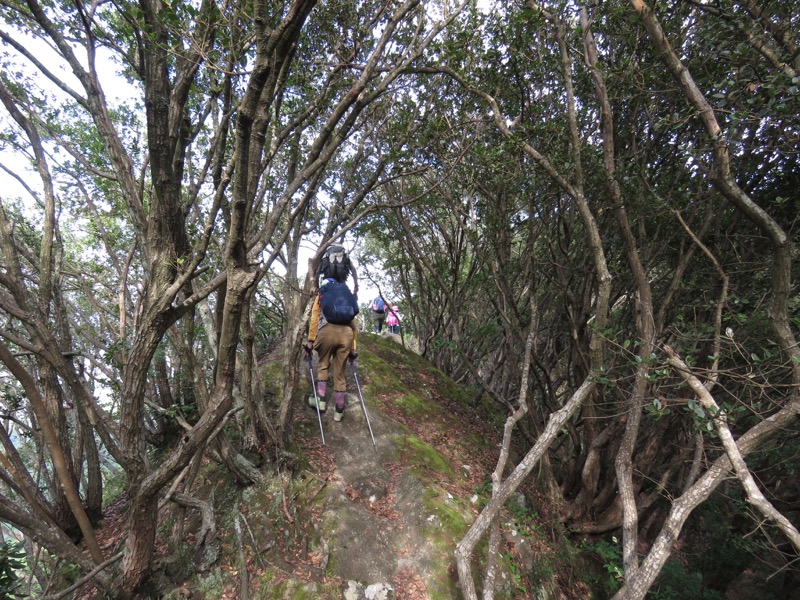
(414, 406)
(376, 375)
(451, 518)
(447, 523)
(272, 379)
(421, 457)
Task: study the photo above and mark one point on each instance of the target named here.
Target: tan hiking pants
(333, 344)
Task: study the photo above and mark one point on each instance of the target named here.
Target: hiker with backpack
(393, 320)
(378, 308)
(332, 329)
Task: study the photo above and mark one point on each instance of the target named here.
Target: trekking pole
(361, 397)
(316, 398)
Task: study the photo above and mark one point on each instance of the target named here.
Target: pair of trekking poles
(360, 396)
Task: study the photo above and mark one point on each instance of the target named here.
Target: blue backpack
(378, 305)
(339, 305)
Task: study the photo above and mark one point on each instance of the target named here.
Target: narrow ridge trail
(393, 512)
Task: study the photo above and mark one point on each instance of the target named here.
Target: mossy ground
(421, 458)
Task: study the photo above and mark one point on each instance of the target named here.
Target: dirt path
(374, 516)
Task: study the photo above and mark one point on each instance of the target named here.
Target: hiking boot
(313, 403)
(338, 415)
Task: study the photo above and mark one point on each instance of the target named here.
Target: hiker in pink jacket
(393, 320)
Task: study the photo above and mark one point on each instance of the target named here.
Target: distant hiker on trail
(378, 308)
(332, 330)
(393, 320)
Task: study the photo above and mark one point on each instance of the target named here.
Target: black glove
(353, 355)
(308, 347)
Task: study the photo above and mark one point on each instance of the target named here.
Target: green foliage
(610, 555)
(526, 521)
(656, 409)
(517, 573)
(12, 560)
(113, 485)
